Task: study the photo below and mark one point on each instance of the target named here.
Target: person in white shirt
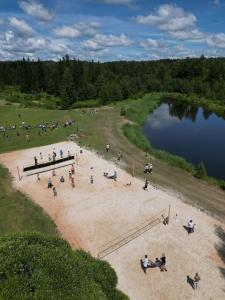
(145, 263)
(107, 148)
(191, 226)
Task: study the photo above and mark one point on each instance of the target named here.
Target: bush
(200, 171)
(33, 266)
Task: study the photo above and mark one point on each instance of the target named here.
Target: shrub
(33, 266)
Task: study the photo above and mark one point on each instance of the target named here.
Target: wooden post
(169, 214)
(18, 171)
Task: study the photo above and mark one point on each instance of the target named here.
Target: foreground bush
(35, 267)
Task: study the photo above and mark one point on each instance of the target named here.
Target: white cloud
(67, 32)
(193, 34)
(100, 41)
(216, 40)
(76, 30)
(149, 44)
(117, 2)
(21, 26)
(36, 10)
(173, 20)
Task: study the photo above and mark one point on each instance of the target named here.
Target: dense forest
(73, 80)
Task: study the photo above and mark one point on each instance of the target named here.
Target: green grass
(18, 213)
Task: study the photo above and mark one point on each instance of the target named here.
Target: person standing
(35, 161)
(107, 148)
(145, 263)
(191, 226)
(163, 263)
(38, 177)
(61, 153)
(72, 169)
(196, 281)
(92, 179)
(49, 183)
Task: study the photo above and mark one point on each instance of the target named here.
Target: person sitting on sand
(62, 179)
(157, 262)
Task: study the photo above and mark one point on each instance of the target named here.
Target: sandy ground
(91, 215)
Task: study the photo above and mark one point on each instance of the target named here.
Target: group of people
(161, 263)
(52, 156)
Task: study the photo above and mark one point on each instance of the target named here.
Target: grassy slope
(18, 213)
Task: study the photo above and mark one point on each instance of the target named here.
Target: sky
(109, 30)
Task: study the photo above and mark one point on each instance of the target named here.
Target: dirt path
(89, 216)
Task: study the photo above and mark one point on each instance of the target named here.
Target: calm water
(190, 132)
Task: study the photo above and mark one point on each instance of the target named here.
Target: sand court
(90, 216)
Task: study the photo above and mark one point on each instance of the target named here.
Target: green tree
(33, 266)
(67, 92)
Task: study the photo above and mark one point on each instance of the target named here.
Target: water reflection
(191, 132)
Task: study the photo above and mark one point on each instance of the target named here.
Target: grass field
(18, 213)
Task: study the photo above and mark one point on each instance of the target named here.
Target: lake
(191, 132)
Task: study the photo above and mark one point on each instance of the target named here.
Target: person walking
(196, 281)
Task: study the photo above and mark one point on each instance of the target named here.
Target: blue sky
(109, 30)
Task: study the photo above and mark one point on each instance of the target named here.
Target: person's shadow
(190, 281)
(186, 228)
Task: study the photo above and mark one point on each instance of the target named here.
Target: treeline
(73, 80)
